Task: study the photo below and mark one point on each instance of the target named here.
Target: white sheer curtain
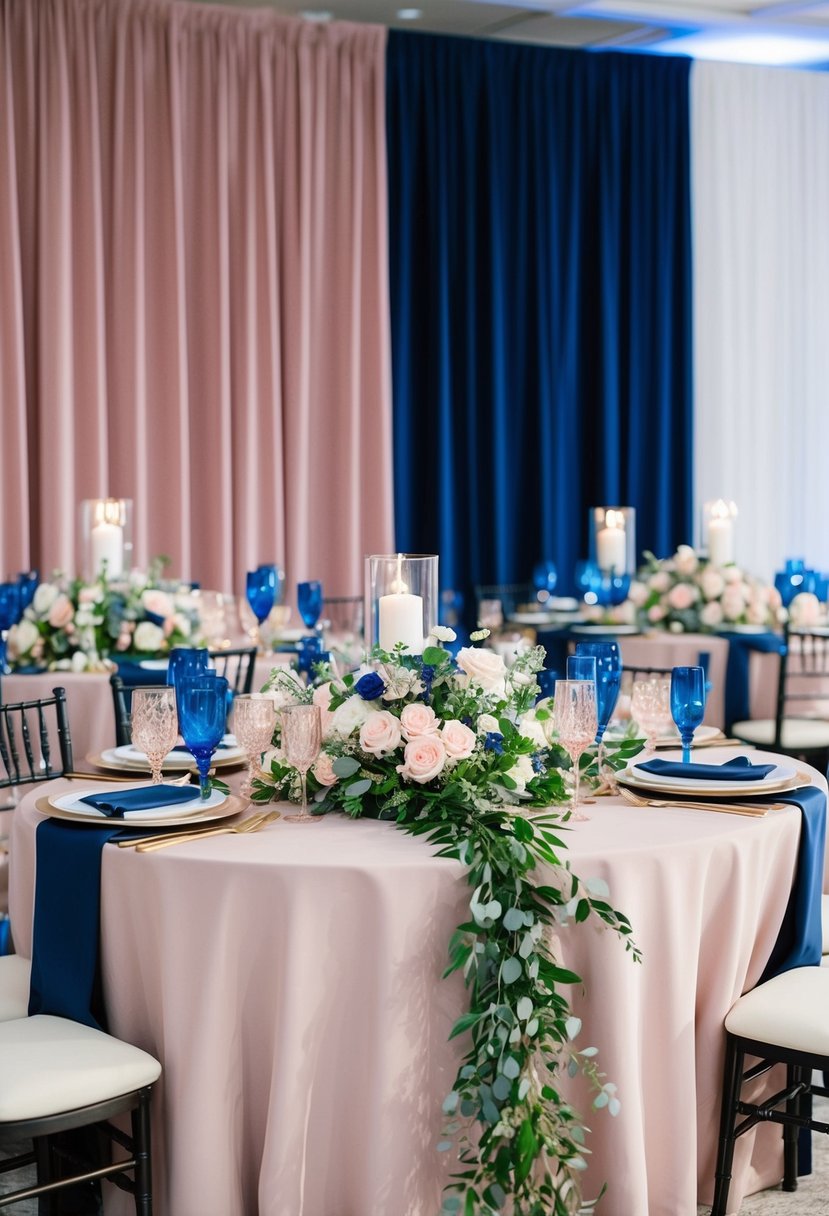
(760, 148)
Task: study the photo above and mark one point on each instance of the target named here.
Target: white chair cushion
(50, 1065)
(14, 987)
(792, 1010)
(825, 922)
(797, 732)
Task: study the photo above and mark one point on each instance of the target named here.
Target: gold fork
(253, 824)
(731, 808)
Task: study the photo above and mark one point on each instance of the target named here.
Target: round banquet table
(289, 982)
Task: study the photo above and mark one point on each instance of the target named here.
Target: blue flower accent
(370, 686)
(494, 742)
(427, 674)
(537, 763)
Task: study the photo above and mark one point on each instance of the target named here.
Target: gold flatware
(138, 779)
(253, 824)
(757, 810)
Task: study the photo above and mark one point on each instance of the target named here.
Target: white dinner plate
(780, 778)
(154, 664)
(608, 630)
(179, 760)
(69, 807)
(749, 629)
(545, 617)
(562, 603)
(617, 732)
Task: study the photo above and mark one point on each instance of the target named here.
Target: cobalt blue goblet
(10, 613)
(28, 582)
(582, 667)
(201, 702)
(260, 589)
(186, 661)
(608, 679)
(687, 704)
(309, 602)
(545, 577)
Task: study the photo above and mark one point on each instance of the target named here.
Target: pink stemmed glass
(301, 743)
(650, 708)
(254, 721)
(154, 725)
(575, 721)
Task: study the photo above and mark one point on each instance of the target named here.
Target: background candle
(611, 549)
(401, 620)
(107, 545)
(720, 542)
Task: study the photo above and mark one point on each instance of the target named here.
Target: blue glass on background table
(581, 667)
(545, 577)
(260, 589)
(201, 703)
(546, 683)
(186, 661)
(279, 579)
(608, 678)
(10, 613)
(309, 652)
(687, 704)
(28, 582)
(588, 578)
(309, 602)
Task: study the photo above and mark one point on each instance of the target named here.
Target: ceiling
(757, 31)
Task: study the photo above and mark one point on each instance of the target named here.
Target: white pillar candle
(611, 549)
(720, 542)
(401, 620)
(107, 545)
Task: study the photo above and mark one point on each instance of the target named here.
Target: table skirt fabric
(290, 984)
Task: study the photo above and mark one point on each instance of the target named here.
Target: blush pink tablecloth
(290, 984)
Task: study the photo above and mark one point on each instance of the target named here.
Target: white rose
(482, 667)
(182, 624)
(442, 633)
(531, 728)
(23, 637)
(712, 583)
(80, 662)
(423, 759)
(290, 689)
(522, 772)
(347, 717)
(660, 581)
(638, 593)
(711, 614)
(148, 636)
(323, 769)
(804, 610)
(44, 598)
(417, 720)
(380, 733)
(458, 740)
(488, 725)
(156, 602)
(732, 574)
(733, 604)
(686, 560)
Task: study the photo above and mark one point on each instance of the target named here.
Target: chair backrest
(121, 698)
(29, 731)
(344, 613)
(237, 667)
(803, 680)
(513, 597)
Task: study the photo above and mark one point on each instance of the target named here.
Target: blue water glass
(309, 602)
(186, 661)
(10, 613)
(587, 574)
(581, 667)
(795, 565)
(546, 683)
(608, 678)
(201, 703)
(309, 652)
(28, 582)
(260, 589)
(687, 704)
(279, 579)
(619, 588)
(545, 577)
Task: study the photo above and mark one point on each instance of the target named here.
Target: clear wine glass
(687, 704)
(254, 721)
(650, 708)
(575, 721)
(154, 725)
(202, 713)
(301, 743)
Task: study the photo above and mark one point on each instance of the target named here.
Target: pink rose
(157, 602)
(656, 614)
(323, 769)
(638, 593)
(660, 581)
(322, 697)
(423, 759)
(711, 614)
(733, 604)
(380, 733)
(712, 583)
(458, 740)
(61, 612)
(804, 610)
(418, 719)
(685, 560)
(682, 596)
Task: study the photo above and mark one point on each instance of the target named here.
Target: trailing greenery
(459, 753)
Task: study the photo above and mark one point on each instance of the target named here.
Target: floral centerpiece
(78, 626)
(687, 594)
(457, 751)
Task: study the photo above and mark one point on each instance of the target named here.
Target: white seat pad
(50, 1065)
(792, 1010)
(825, 922)
(14, 987)
(797, 732)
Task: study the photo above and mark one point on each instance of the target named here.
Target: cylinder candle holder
(106, 537)
(718, 531)
(613, 539)
(401, 600)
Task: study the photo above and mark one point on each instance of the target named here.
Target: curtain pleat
(194, 286)
(541, 300)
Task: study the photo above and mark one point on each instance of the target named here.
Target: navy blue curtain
(540, 271)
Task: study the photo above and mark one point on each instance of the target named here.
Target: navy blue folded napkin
(738, 769)
(800, 940)
(116, 803)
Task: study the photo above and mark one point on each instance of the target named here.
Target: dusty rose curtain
(193, 286)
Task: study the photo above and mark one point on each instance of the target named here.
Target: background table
(290, 984)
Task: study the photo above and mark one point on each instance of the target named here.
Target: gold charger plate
(103, 761)
(737, 790)
(233, 805)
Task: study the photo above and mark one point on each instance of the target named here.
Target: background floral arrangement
(456, 750)
(686, 594)
(78, 626)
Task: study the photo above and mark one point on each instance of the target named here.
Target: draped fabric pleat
(541, 300)
(761, 272)
(193, 270)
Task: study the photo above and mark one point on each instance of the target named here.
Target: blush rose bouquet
(687, 594)
(72, 625)
(401, 730)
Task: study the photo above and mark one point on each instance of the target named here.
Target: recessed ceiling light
(318, 14)
(409, 14)
(761, 47)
